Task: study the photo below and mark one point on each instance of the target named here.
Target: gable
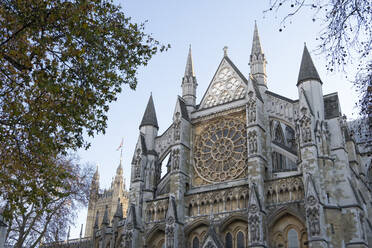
(227, 85)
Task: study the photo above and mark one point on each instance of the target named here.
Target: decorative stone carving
(137, 164)
(128, 236)
(284, 190)
(177, 127)
(255, 218)
(210, 245)
(164, 142)
(252, 142)
(251, 108)
(312, 214)
(225, 87)
(176, 159)
(254, 225)
(220, 151)
(169, 231)
(312, 208)
(217, 202)
(305, 126)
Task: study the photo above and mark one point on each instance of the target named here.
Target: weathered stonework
(247, 168)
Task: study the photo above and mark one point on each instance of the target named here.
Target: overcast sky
(207, 25)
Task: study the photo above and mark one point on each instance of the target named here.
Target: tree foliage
(345, 38)
(61, 63)
(48, 222)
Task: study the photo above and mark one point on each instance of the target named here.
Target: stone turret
(189, 84)
(309, 82)
(258, 61)
(149, 124)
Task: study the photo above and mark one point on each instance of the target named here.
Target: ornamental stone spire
(189, 84)
(149, 117)
(256, 44)
(189, 70)
(257, 60)
(307, 69)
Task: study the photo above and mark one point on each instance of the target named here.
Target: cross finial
(225, 50)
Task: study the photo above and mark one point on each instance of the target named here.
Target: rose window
(221, 150)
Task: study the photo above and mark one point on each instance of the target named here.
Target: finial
(81, 231)
(225, 50)
(68, 234)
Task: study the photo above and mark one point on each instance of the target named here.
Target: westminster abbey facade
(246, 167)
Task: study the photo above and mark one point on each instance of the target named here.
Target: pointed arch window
(293, 239)
(228, 241)
(240, 240)
(195, 243)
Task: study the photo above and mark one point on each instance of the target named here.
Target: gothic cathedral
(245, 167)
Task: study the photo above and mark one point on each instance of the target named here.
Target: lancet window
(240, 240)
(195, 243)
(293, 239)
(228, 241)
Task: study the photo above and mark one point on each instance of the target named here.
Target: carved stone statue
(177, 126)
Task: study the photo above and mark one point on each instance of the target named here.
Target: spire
(81, 231)
(105, 220)
(96, 221)
(119, 170)
(189, 70)
(119, 210)
(257, 61)
(149, 117)
(307, 69)
(256, 44)
(189, 83)
(96, 175)
(172, 209)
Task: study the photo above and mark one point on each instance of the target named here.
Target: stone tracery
(220, 150)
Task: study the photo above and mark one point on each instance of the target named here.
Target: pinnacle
(105, 220)
(189, 71)
(256, 44)
(149, 117)
(307, 68)
(96, 221)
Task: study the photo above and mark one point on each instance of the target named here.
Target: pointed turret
(149, 125)
(257, 60)
(189, 71)
(105, 220)
(256, 44)
(307, 70)
(149, 117)
(309, 82)
(96, 221)
(119, 210)
(189, 84)
(94, 187)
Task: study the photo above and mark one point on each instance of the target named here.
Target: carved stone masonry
(305, 126)
(176, 159)
(128, 236)
(313, 216)
(169, 231)
(254, 224)
(177, 127)
(210, 245)
(137, 164)
(251, 108)
(252, 142)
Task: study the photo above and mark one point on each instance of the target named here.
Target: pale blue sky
(208, 26)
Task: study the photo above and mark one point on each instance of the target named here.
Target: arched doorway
(287, 231)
